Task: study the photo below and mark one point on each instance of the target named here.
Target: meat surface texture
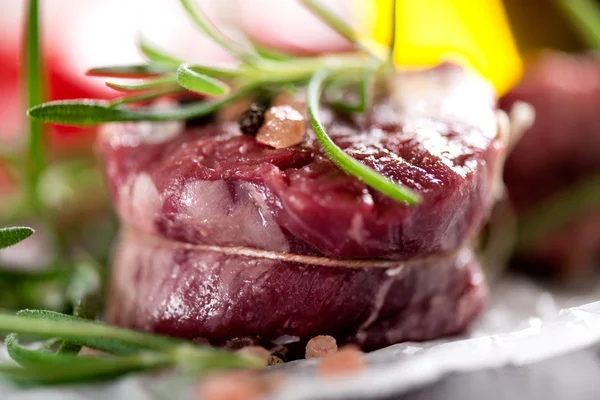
(190, 292)
(437, 134)
(559, 151)
(225, 237)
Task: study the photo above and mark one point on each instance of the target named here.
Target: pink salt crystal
(321, 346)
(230, 386)
(283, 127)
(257, 352)
(346, 361)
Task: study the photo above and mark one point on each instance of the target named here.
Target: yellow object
(429, 31)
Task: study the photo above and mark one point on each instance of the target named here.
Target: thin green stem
(158, 56)
(213, 32)
(200, 82)
(34, 95)
(337, 24)
(71, 369)
(130, 71)
(352, 166)
(169, 81)
(47, 324)
(145, 96)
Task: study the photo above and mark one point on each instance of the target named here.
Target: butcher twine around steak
(226, 237)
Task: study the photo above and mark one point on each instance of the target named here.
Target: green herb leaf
(585, 18)
(158, 56)
(20, 275)
(129, 71)
(213, 71)
(71, 369)
(200, 83)
(13, 235)
(91, 112)
(213, 32)
(270, 54)
(343, 160)
(160, 83)
(145, 96)
(27, 357)
(48, 324)
(41, 366)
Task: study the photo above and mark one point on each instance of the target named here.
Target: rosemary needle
(13, 235)
(343, 160)
(252, 74)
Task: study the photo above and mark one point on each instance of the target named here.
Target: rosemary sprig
(189, 78)
(48, 324)
(146, 96)
(77, 369)
(213, 32)
(158, 56)
(126, 351)
(135, 351)
(34, 96)
(129, 71)
(13, 235)
(343, 160)
(254, 73)
(93, 112)
(337, 24)
(158, 83)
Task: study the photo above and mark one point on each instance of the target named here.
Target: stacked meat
(224, 237)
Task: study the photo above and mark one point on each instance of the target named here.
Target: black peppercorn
(252, 119)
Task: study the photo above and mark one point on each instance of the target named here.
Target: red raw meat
(180, 290)
(560, 150)
(213, 185)
(226, 238)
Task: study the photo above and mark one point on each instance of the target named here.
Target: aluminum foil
(526, 322)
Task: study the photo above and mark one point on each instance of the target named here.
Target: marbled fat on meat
(185, 291)
(213, 185)
(225, 237)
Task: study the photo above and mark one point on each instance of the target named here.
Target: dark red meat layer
(560, 150)
(181, 290)
(437, 134)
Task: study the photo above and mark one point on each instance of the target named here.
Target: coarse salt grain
(347, 360)
(257, 352)
(283, 127)
(230, 386)
(321, 346)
